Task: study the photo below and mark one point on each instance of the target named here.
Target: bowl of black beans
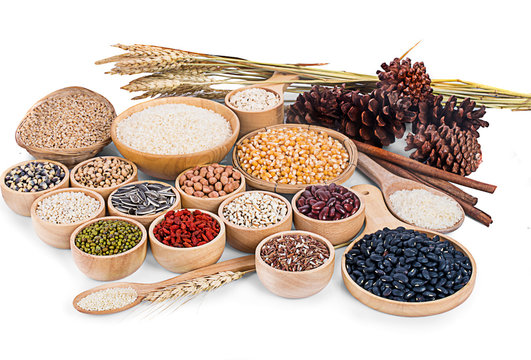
(408, 272)
(332, 211)
(24, 182)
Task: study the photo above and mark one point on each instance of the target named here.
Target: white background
(49, 45)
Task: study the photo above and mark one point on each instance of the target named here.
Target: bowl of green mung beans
(109, 248)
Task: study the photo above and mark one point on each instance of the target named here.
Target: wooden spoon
(378, 217)
(389, 183)
(243, 263)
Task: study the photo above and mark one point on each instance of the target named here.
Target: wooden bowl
(378, 217)
(104, 191)
(111, 267)
(169, 166)
(69, 157)
(58, 235)
(20, 202)
(256, 183)
(181, 260)
(338, 231)
(254, 120)
(208, 204)
(246, 239)
(295, 284)
(145, 220)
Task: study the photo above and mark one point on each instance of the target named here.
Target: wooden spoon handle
(374, 171)
(285, 80)
(243, 263)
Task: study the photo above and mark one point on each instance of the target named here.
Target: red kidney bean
(327, 202)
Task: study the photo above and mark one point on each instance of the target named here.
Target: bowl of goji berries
(187, 239)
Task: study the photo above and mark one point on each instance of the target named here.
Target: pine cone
(412, 81)
(449, 148)
(433, 112)
(377, 118)
(319, 106)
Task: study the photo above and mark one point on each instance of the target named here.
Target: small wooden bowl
(254, 120)
(295, 284)
(338, 231)
(181, 260)
(169, 166)
(145, 220)
(104, 191)
(256, 183)
(208, 204)
(69, 157)
(58, 235)
(20, 202)
(246, 239)
(110, 267)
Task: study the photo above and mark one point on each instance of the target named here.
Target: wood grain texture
(338, 231)
(292, 189)
(21, 202)
(244, 263)
(58, 235)
(69, 157)
(110, 267)
(295, 284)
(254, 120)
(169, 166)
(246, 239)
(208, 204)
(389, 183)
(145, 220)
(378, 217)
(181, 260)
(106, 191)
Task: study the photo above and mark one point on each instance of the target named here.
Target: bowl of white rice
(165, 136)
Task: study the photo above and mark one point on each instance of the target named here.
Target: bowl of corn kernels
(286, 158)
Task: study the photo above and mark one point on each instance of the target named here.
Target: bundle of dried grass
(182, 73)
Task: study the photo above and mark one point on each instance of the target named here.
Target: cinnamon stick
(448, 187)
(469, 209)
(416, 166)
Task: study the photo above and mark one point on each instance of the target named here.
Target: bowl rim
(215, 240)
(212, 200)
(239, 227)
(361, 209)
(431, 234)
(92, 194)
(61, 93)
(142, 241)
(233, 92)
(157, 214)
(329, 261)
(75, 183)
(65, 179)
(186, 100)
(346, 142)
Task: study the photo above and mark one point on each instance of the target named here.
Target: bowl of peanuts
(205, 187)
(286, 158)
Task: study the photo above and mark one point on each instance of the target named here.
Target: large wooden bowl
(295, 284)
(111, 267)
(20, 202)
(181, 260)
(169, 166)
(256, 183)
(336, 231)
(208, 204)
(145, 220)
(103, 191)
(246, 239)
(378, 217)
(69, 157)
(58, 235)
